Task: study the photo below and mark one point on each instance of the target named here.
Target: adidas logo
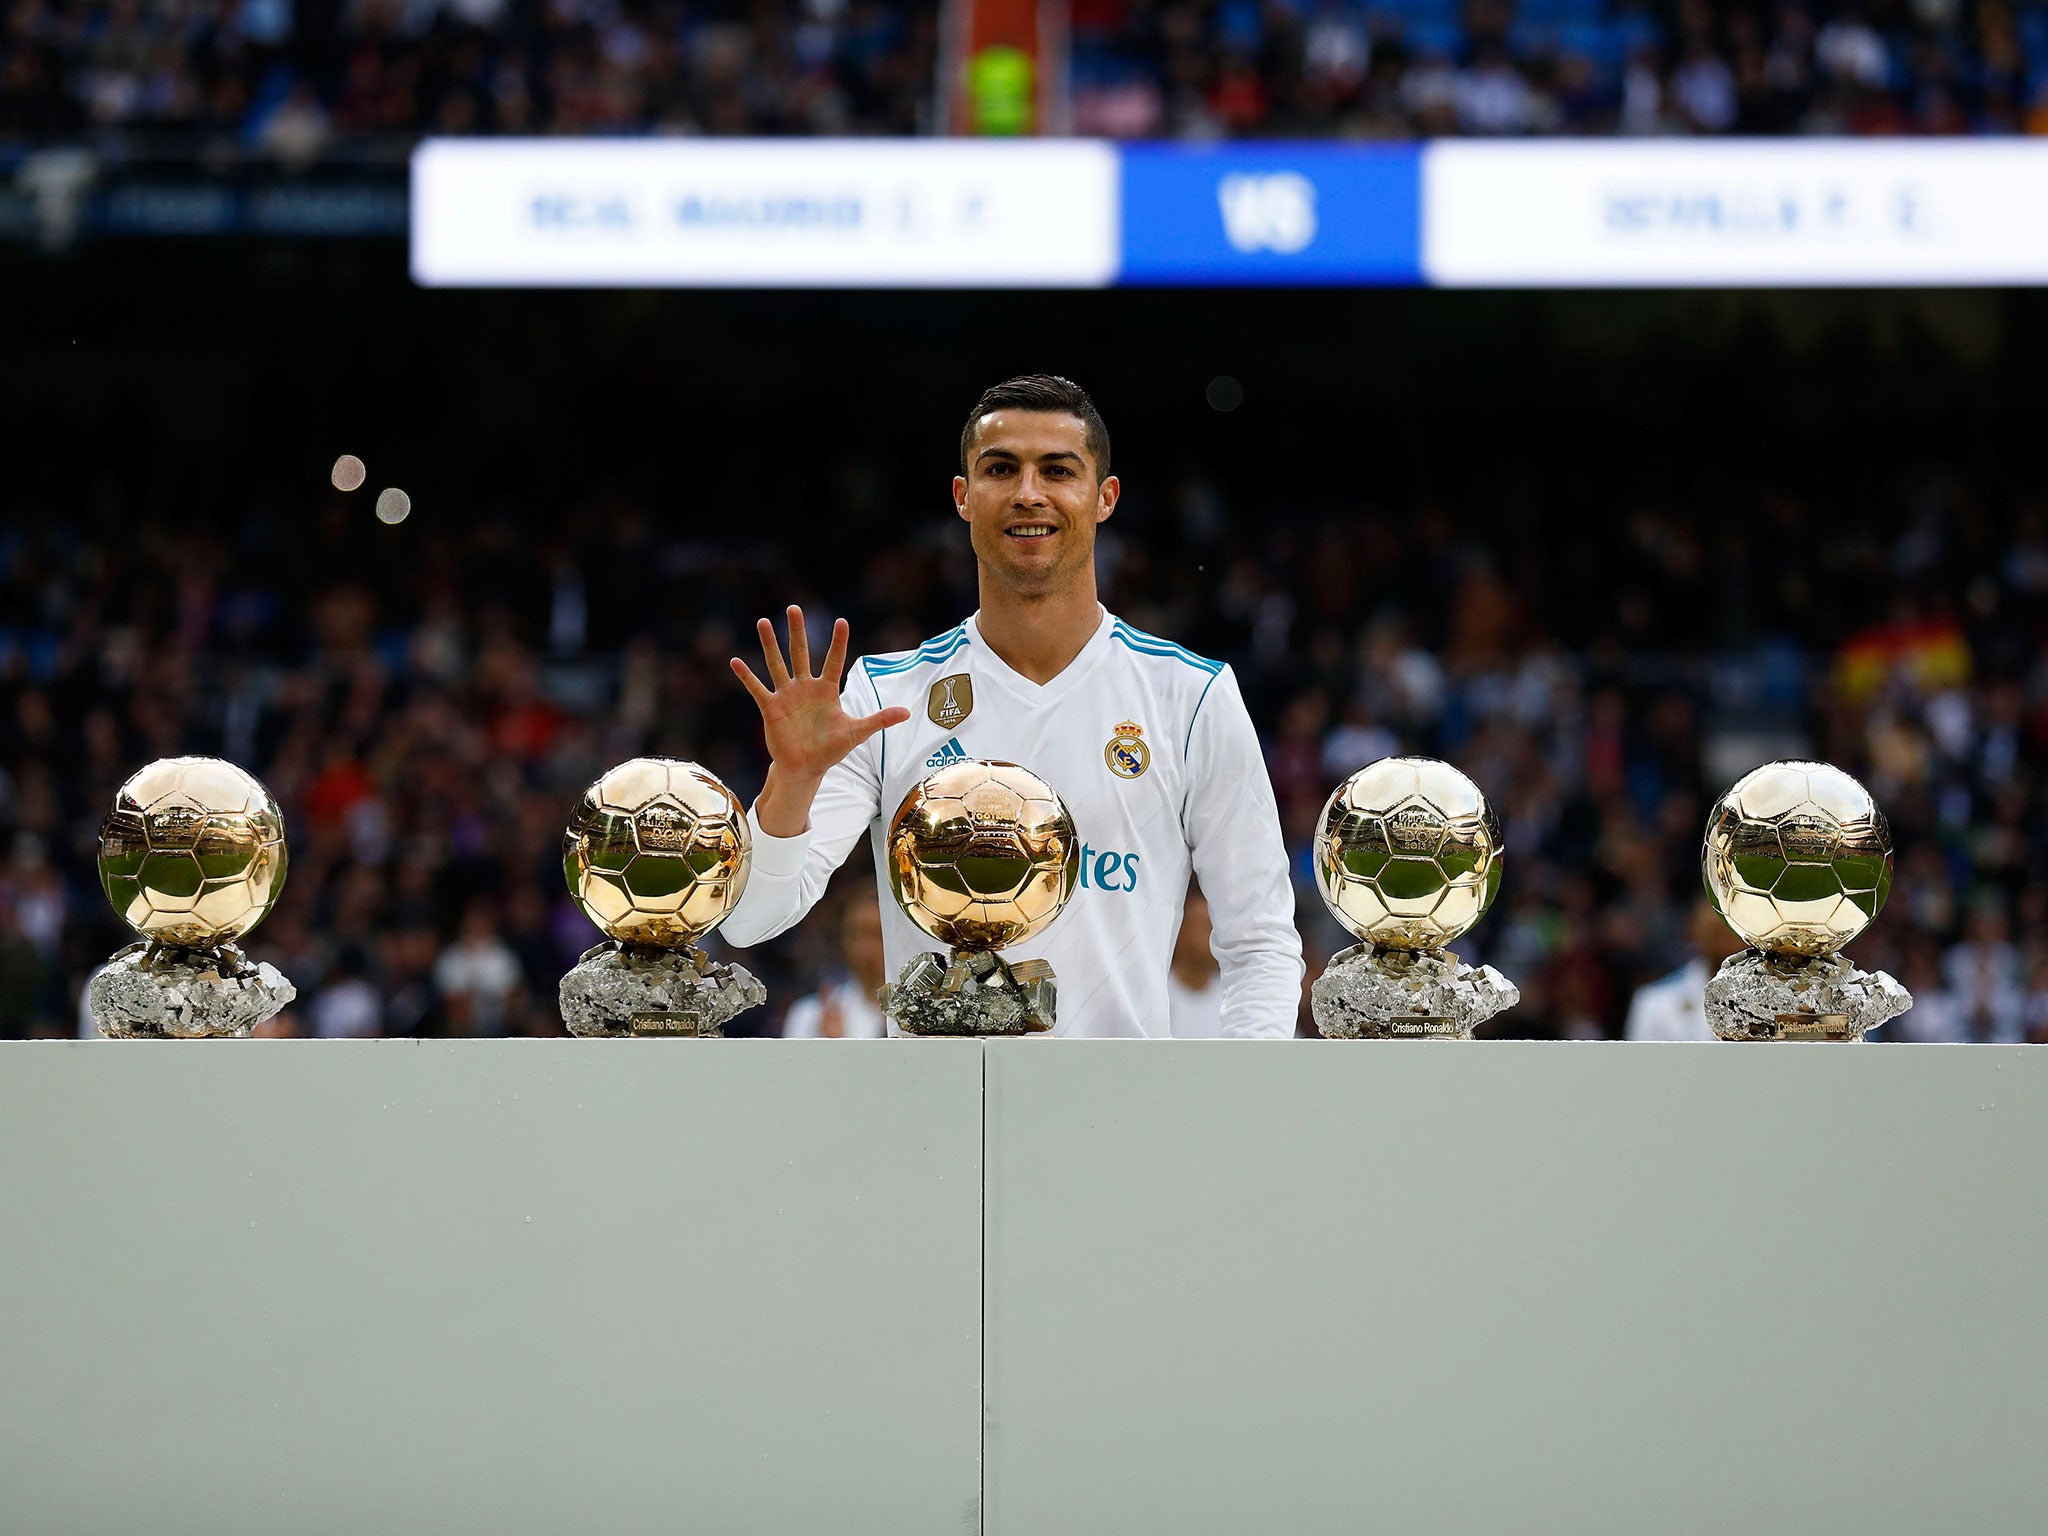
(951, 752)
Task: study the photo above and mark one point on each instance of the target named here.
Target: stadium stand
(301, 81)
(1604, 627)
(1405, 68)
(312, 81)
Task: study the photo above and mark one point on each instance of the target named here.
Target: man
(1149, 745)
(1675, 1007)
(347, 1006)
(846, 1009)
(1983, 976)
(477, 975)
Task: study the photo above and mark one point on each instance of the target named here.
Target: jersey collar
(1040, 694)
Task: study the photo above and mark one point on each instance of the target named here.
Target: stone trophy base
(618, 990)
(1758, 996)
(972, 992)
(1401, 994)
(160, 992)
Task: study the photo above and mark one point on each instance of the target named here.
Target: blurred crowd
(1603, 651)
(1408, 68)
(299, 78)
(295, 77)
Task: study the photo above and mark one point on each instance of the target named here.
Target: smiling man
(1149, 744)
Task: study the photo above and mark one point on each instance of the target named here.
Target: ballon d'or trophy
(1798, 859)
(1407, 857)
(981, 855)
(192, 857)
(657, 856)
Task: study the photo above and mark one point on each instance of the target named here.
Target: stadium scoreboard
(1078, 213)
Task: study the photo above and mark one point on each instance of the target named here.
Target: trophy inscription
(1798, 860)
(981, 855)
(1407, 857)
(656, 855)
(192, 857)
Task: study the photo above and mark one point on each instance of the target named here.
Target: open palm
(807, 728)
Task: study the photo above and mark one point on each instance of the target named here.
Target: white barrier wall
(734, 1286)
(1516, 1289)
(502, 1287)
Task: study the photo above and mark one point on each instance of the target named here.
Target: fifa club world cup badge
(1127, 754)
(951, 700)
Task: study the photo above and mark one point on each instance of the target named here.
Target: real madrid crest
(951, 700)
(1127, 754)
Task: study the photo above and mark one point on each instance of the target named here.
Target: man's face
(1031, 498)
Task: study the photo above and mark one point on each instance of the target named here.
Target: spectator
(1493, 96)
(347, 1006)
(2034, 1006)
(1982, 975)
(1937, 1016)
(22, 977)
(845, 1009)
(1675, 1007)
(1703, 87)
(477, 976)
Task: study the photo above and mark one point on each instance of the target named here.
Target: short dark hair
(1041, 392)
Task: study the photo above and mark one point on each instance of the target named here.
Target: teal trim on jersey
(883, 734)
(1188, 745)
(1151, 645)
(937, 649)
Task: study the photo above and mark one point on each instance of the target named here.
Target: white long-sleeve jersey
(1152, 750)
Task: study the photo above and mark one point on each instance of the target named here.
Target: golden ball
(983, 854)
(1408, 853)
(192, 853)
(657, 852)
(1797, 857)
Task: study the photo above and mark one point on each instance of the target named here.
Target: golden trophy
(1407, 857)
(1798, 860)
(192, 857)
(656, 855)
(981, 855)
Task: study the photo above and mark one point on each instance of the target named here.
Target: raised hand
(806, 727)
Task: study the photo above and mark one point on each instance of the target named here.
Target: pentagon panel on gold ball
(1798, 859)
(656, 854)
(981, 855)
(192, 857)
(1407, 857)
